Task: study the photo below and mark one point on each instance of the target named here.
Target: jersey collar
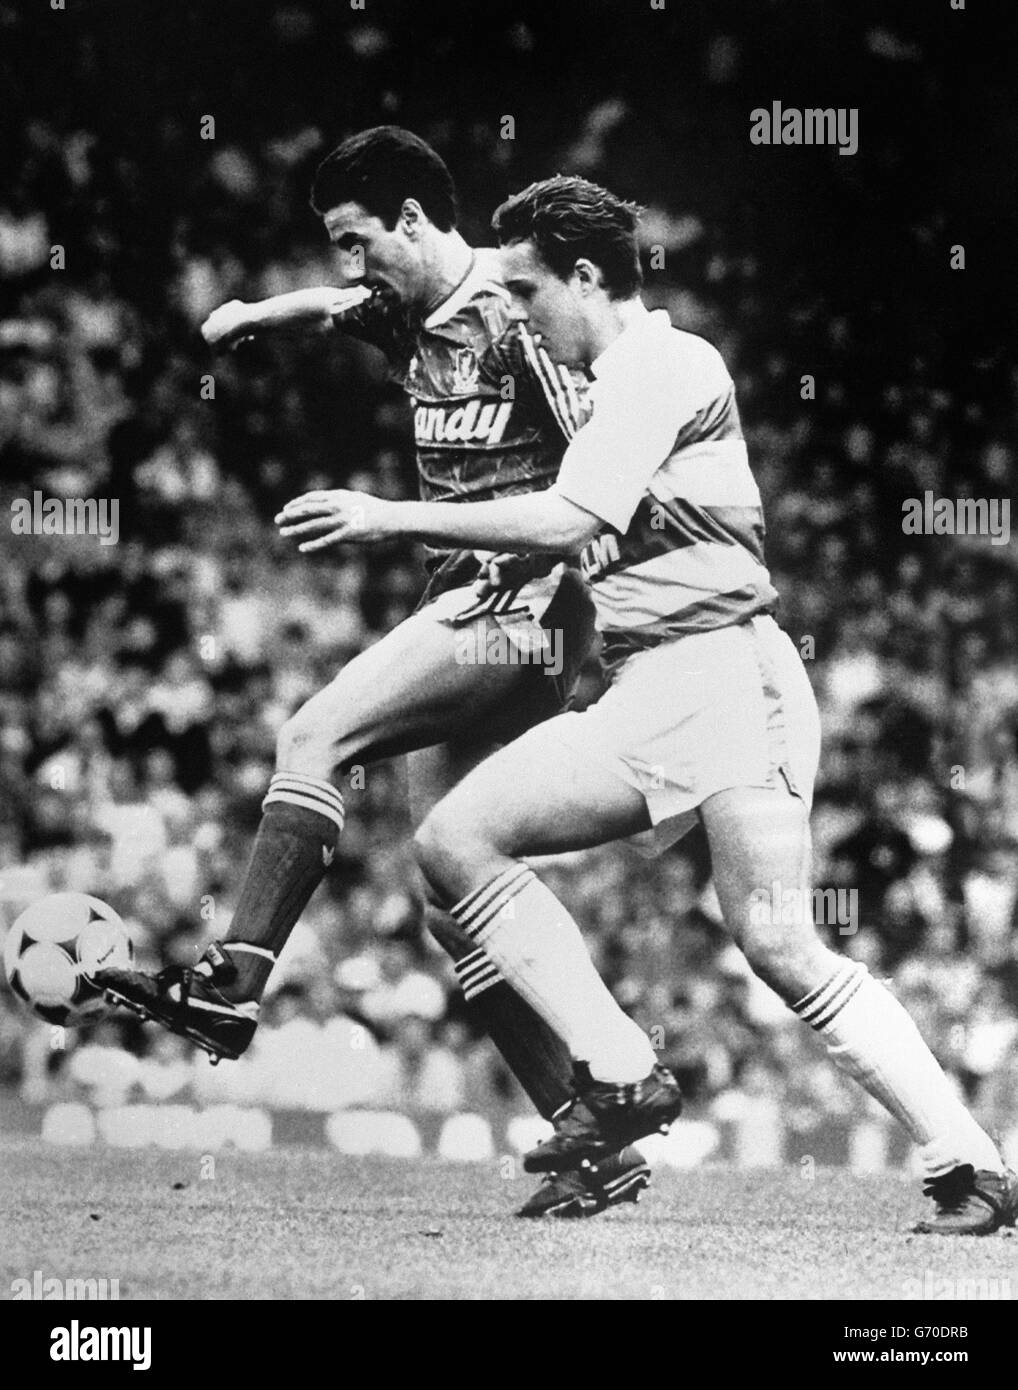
(480, 272)
(642, 321)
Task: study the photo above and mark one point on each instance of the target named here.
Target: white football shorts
(700, 714)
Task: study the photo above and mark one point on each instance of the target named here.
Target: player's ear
(587, 275)
(412, 217)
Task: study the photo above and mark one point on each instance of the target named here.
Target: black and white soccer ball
(53, 951)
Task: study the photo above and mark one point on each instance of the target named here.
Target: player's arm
(313, 310)
(542, 521)
(605, 471)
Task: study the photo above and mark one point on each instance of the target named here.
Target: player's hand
(337, 517)
(228, 325)
(504, 571)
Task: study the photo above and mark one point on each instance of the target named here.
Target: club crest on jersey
(464, 371)
(473, 423)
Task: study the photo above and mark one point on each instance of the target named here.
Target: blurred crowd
(142, 683)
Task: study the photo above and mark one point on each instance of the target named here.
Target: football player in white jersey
(709, 714)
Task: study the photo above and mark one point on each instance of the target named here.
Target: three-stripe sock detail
(476, 972)
(479, 911)
(309, 793)
(823, 1005)
(302, 818)
(872, 1038)
(540, 953)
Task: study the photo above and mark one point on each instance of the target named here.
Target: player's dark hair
(570, 218)
(380, 168)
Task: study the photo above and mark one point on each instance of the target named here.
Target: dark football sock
(295, 844)
(534, 1053)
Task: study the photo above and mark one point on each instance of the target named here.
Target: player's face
(553, 309)
(373, 255)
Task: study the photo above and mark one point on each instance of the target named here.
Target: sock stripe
(477, 962)
(284, 793)
(477, 908)
(309, 793)
(851, 989)
(483, 919)
(288, 793)
(479, 985)
(816, 999)
(476, 972)
(469, 960)
(307, 786)
(834, 996)
(488, 971)
(486, 968)
(306, 804)
(810, 998)
(311, 784)
(835, 1000)
(479, 895)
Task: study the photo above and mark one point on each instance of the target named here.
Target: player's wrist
(266, 313)
(296, 307)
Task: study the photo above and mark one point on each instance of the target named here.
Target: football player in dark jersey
(459, 677)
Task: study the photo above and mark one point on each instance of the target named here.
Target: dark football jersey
(492, 413)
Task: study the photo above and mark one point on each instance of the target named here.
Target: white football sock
(539, 949)
(870, 1036)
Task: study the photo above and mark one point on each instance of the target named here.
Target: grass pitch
(310, 1224)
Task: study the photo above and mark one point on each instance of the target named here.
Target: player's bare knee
(302, 746)
(768, 962)
(784, 957)
(436, 860)
(450, 854)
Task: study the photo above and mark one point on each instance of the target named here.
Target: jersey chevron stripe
(655, 592)
(563, 404)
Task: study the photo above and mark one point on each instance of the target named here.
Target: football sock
(536, 1055)
(871, 1037)
(539, 949)
(296, 841)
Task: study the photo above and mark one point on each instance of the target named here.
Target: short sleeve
(638, 414)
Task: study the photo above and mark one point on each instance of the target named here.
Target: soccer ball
(53, 950)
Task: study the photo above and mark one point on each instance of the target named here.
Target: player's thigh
(433, 771)
(410, 690)
(538, 795)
